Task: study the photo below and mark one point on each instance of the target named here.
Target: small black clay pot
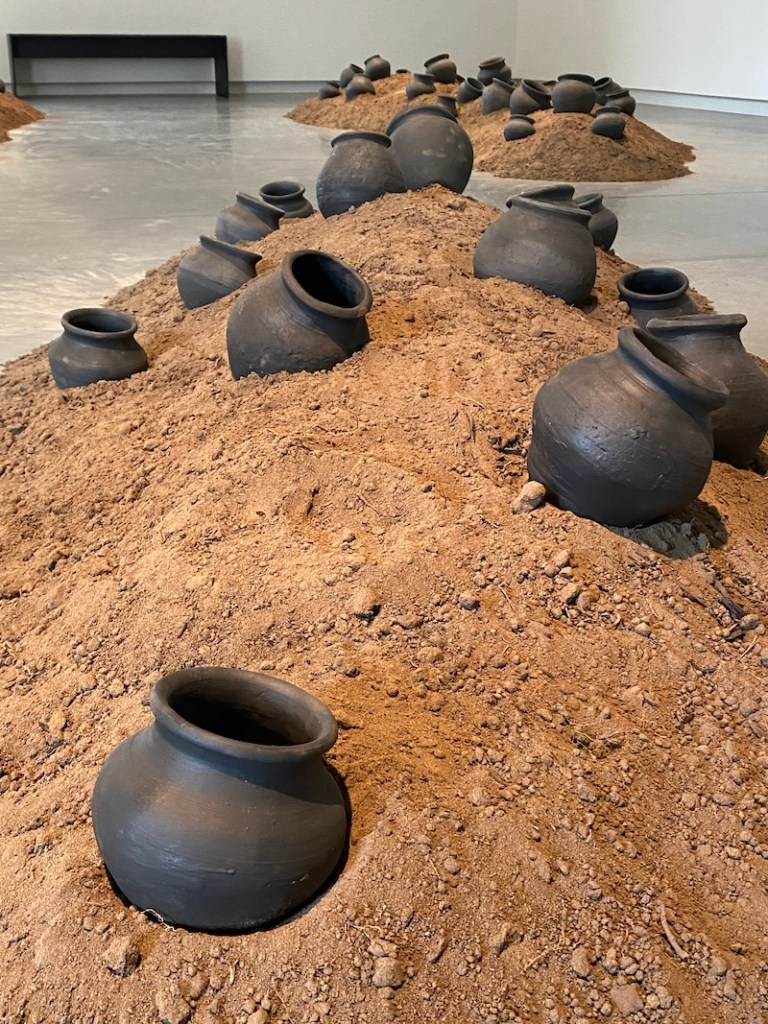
(360, 168)
(625, 437)
(713, 344)
(573, 94)
(348, 73)
(222, 814)
(329, 91)
(212, 271)
(519, 126)
(421, 84)
(289, 197)
(247, 220)
(359, 85)
(545, 245)
(96, 344)
(496, 96)
(431, 148)
(442, 68)
(493, 67)
(609, 123)
(528, 97)
(308, 315)
(469, 90)
(449, 102)
(660, 292)
(603, 224)
(620, 99)
(377, 67)
(604, 85)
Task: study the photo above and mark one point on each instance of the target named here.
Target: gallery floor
(107, 187)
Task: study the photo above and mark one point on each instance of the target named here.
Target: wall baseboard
(724, 104)
(31, 90)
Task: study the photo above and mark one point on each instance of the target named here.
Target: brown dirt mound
(553, 734)
(14, 113)
(563, 147)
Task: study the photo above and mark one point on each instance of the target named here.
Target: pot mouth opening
(600, 83)
(653, 283)
(669, 365)
(379, 137)
(533, 85)
(574, 77)
(474, 83)
(98, 321)
(326, 284)
(281, 190)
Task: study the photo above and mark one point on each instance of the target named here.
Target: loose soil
(563, 147)
(553, 734)
(14, 113)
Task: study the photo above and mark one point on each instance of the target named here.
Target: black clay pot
(573, 94)
(493, 67)
(528, 97)
(96, 344)
(431, 148)
(620, 99)
(713, 344)
(329, 91)
(625, 437)
(496, 96)
(660, 292)
(348, 73)
(212, 271)
(470, 89)
(519, 126)
(604, 85)
(420, 85)
(603, 224)
(609, 123)
(289, 197)
(359, 169)
(559, 193)
(449, 102)
(308, 315)
(359, 85)
(247, 220)
(442, 68)
(545, 245)
(222, 813)
(377, 67)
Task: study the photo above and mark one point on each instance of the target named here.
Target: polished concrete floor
(107, 187)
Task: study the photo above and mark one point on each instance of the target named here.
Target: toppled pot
(494, 67)
(608, 123)
(421, 84)
(329, 90)
(359, 85)
(431, 148)
(287, 196)
(496, 96)
(469, 90)
(442, 68)
(96, 344)
(528, 97)
(308, 315)
(574, 94)
(603, 86)
(546, 245)
(247, 220)
(449, 102)
(222, 814)
(377, 67)
(713, 344)
(348, 73)
(660, 292)
(214, 270)
(519, 126)
(603, 224)
(359, 169)
(625, 437)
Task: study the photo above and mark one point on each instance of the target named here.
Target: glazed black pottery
(359, 85)
(348, 74)
(573, 94)
(287, 196)
(603, 224)
(609, 123)
(713, 344)
(96, 344)
(360, 168)
(421, 84)
(222, 814)
(656, 292)
(493, 67)
(442, 68)
(307, 315)
(469, 90)
(431, 148)
(544, 245)
(519, 126)
(620, 99)
(329, 90)
(212, 271)
(496, 96)
(247, 220)
(377, 67)
(625, 437)
(528, 97)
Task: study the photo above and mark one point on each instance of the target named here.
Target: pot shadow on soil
(679, 537)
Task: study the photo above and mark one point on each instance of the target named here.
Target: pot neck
(664, 367)
(308, 274)
(701, 327)
(230, 252)
(266, 212)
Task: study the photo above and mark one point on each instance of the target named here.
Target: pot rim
(374, 56)
(672, 368)
(600, 83)
(715, 323)
(588, 199)
(293, 190)
(424, 76)
(534, 86)
(259, 204)
(628, 293)
(355, 67)
(616, 93)
(490, 62)
(577, 76)
(422, 108)
(228, 249)
(562, 192)
(363, 292)
(379, 137)
(474, 83)
(436, 58)
(126, 329)
(323, 724)
(553, 209)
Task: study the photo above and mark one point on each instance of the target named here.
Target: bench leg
(222, 75)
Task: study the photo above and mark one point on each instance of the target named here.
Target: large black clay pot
(359, 169)
(494, 67)
(713, 344)
(469, 90)
(287, 196)
(620, 99)
(329, 91)
(496, 96)
(660, 292)
(625, 437)
(609, 123)
(545, 245)
(528, 97)
(421, 84)
(573, 94)
(308, 315)
(431, 148)
(377, 67)
(603, 224)
(348, 73)
(519, 126)
(212, 271)
(442, 68)
(96, 344)
(247, 220)
(359, 85)
(222, 813)
(603, 86)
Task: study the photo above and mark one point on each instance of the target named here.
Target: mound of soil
(553, 734)
(14, 113)
(563, 147)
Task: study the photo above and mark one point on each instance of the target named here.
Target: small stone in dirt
(388, 973)
(259, 1017)
(580, 962)
(172, 1009)
(627, 999)
(504, 937)
(530, 496)
(122, 956)
(365, 604)
(468, 602)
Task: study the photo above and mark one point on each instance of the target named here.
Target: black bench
(34, 46)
